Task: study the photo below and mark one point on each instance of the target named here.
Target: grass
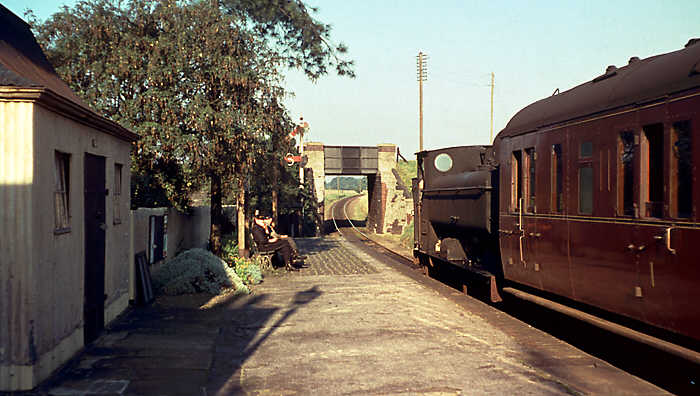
(333, 195)
(406, 239)
(358, 210)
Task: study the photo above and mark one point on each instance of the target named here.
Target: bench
(266, 257)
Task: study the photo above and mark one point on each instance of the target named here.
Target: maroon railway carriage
(596, 195)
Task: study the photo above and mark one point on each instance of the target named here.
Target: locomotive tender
(589, 194)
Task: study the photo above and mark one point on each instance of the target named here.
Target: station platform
(349, 324)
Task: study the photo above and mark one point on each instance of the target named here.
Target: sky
(532, 47)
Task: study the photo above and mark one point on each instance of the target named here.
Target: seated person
(268, 240)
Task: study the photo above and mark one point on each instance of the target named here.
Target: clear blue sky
(532, 47)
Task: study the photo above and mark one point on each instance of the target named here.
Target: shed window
(626, 177)
(557, 183)
(117, 193)
(61, 192)
(653, 169)
(585, 189)
(682, 194)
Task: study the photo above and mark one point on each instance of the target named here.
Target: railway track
(663, 369)
(354, 234)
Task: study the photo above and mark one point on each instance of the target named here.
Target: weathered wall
(376, 198)
(48, 326)
(316, 164)
(16, 252)
(184, 231)
(389, 207)
(60, 304)
(397, 205)
(198, 228)
(140, 219)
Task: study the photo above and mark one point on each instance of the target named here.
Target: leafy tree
(302, 41)
(350, 183)
(200, 82)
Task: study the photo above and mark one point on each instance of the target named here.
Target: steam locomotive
(589, 195)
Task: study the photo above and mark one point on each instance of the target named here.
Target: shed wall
(17, 176)
(48, 266)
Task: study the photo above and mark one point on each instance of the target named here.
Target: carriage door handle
(667, 237)
(522, 231)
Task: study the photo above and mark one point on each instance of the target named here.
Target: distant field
(333, 195)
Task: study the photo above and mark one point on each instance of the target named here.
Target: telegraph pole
(422, 70)
(493, 84)
(301, 152)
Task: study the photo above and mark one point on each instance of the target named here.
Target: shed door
(93, 307)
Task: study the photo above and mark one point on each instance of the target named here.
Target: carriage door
(668, 262)
(94, 288)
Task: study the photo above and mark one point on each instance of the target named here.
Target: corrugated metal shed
(43, 263)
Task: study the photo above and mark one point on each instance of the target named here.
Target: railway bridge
(389, 200)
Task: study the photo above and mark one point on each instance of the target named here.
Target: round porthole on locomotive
(443, 162)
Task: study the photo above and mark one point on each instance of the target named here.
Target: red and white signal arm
(289, 159)
(300, 128)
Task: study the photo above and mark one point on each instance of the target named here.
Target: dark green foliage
(357, 184)
(407, 170)
(199, 81)
(194, 82)
(298, 38)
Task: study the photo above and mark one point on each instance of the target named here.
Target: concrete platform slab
(349, 324)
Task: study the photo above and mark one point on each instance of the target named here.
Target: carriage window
(586, 150)
(585, 189)
(626, 173)
(683, 175)
(557, 183)
(530, 158)
(516, 180)
(653, 169)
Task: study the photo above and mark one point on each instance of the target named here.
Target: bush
(229, 247)
(248, 270)
(196, 271)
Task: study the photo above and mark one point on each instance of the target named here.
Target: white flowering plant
(196, 271)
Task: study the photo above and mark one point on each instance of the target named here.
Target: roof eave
(57, 103)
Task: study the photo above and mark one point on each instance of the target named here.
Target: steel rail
(654, 342)
(369, 241)
(345, 212)
(333, 218)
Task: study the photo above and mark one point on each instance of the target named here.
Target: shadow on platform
(183, 345)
